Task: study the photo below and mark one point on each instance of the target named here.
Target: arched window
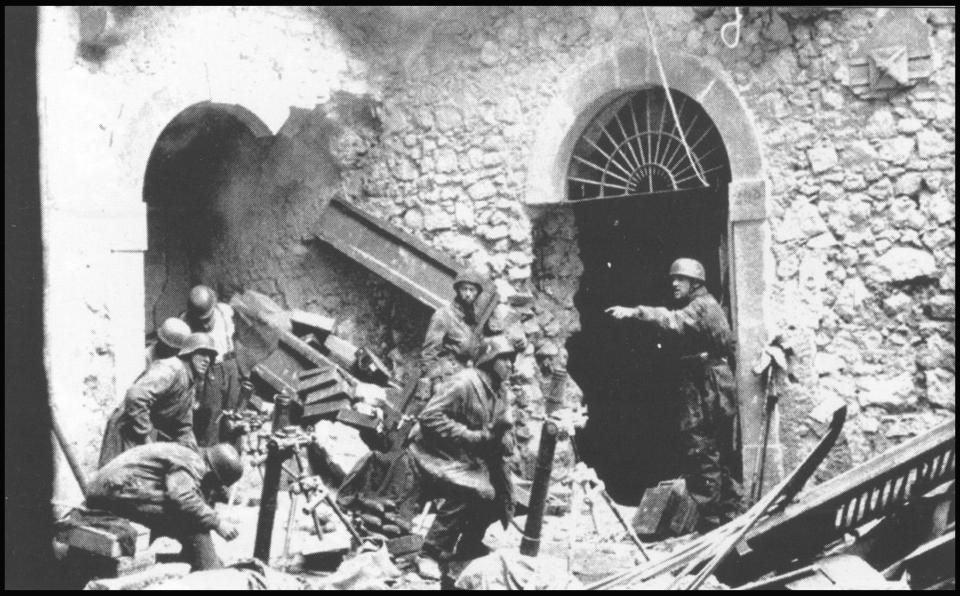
(635, 147)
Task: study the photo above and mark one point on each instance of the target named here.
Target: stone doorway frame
(591, 88)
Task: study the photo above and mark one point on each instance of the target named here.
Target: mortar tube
(530, 544)
(268, 502)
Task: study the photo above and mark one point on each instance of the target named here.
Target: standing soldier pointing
(705, 389)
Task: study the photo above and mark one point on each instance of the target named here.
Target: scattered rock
(801, 222)
(909, 184)
(828, 364)
(403, 169)
(413, 219)
(852, 295)
(446, 160)
(931, 144)
(881, 124)
(909, 126)
(833, 99)
(936, 353)
(859, 153)
(813, 272)
(437, 219)
(448, 118)
(897, 150)
(825, 240)
(496, 232)
(905, 214)
(481, 190)
(901, 264)
(490, 53)
(868, 424)
(888, 393)
(949, 280)
(942, 388)
(938, 206)
(822, 158)
(518, 273)
(942, 308)
(898, 303)
(463, 214)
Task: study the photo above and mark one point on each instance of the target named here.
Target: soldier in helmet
(159, 405)
(221, 388)
(170, 337)
(705, 388)
(461, 451)
(170, 488)
(450, 341)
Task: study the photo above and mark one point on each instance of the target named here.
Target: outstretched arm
(675, 321)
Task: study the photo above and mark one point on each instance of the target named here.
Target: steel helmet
(496, 346)
(196, 342)
(224, 461)
(470, 276)
(691, 268)
(201, 303)
(173, 332)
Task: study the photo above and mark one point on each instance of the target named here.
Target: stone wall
(862, 192)
(863, 198)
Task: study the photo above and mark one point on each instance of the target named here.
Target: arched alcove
(195, 159)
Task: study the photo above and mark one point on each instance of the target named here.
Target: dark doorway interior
(197, 164)
(626, 370)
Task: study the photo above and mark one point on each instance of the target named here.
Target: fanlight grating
(634, 147)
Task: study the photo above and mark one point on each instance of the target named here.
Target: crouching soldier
(169, 488)
(461, 450)
(159, 405)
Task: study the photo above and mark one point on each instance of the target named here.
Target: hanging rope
(736, 35)
(673, 108)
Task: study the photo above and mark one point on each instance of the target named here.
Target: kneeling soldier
(168, 488)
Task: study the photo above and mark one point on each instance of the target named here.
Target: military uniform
(158, 485)
(709, 409)
(449, 344)
(220, 390)
(458, 461)
(159, 406)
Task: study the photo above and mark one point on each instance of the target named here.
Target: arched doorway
(645, 189)
(202, 159)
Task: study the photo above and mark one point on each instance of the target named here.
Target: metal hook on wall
(725, 28)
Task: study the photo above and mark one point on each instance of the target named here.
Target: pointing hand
(619, 312)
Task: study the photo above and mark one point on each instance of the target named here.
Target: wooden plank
(324, 378)
(400, 258)
(341, 351)
(812, 520)
(308, 322)
(353, 418)
(101, 542)
(322, 409)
